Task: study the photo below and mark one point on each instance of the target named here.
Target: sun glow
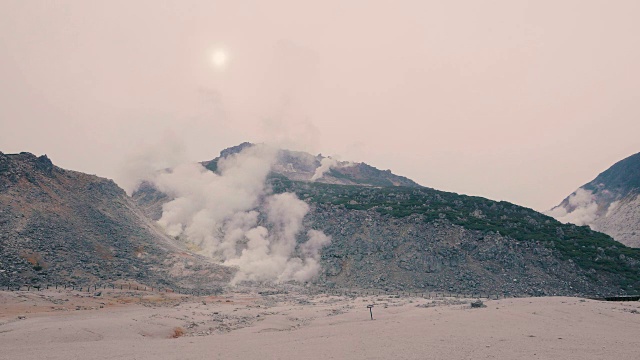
(219, 59)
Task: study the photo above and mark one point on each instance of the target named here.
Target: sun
(219, 58)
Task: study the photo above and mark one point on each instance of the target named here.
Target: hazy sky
(521, 101)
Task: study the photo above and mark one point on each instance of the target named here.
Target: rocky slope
(610, 203)
(401, 238)
(61, 226)
(412, 237)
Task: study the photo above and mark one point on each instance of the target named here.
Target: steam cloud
(327, 164)
(584, 209)
(232, 218)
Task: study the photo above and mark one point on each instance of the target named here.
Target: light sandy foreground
(60, 324)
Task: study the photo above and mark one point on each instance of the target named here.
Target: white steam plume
(327, 164)
(584, 209)
(232, 218)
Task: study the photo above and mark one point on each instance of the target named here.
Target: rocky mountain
(301, 166)
(63, 226)
(609, 203)
(66, 227)
(412, 237)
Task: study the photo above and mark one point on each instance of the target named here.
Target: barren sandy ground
(60, 324)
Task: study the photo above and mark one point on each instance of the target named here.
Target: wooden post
(370, 311)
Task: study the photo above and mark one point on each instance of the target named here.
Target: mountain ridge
(64, 226)
(301, 166)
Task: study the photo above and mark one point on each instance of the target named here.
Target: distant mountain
(301, 166)
(399, 237)
(609, 203)
(66, 227)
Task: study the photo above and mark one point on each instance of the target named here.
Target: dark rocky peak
(620, 179)
(13, 167)
(235, 149)
(610, 203)
(44, 164)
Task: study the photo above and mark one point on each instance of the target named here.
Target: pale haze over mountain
(511, 100)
